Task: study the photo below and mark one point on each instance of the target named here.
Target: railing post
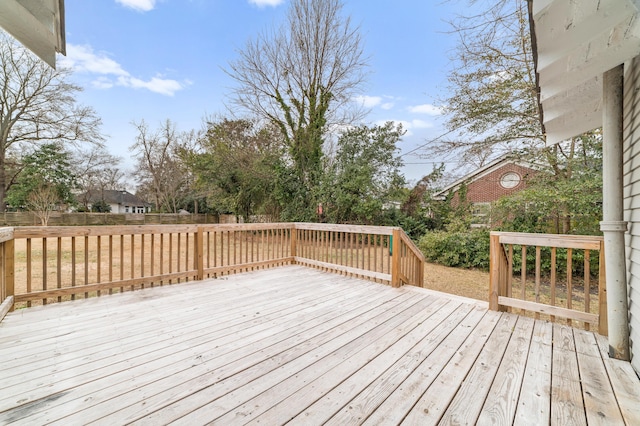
(603, 323)
(395, 258)
(199, 258)
(7, 253)
(495, 272)
(294, 242)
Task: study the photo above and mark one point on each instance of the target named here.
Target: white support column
(613, 226)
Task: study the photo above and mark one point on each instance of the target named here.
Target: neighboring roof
(483, 171)
(37, 24)
(115, 197)
(574, 43)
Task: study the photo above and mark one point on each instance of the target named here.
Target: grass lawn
(462, 282)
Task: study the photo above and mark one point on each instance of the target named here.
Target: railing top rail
(360, 229)
(6, 234)
(586, 242)
(89, 231)
(409, 242)
(81, 231)
(247, 226)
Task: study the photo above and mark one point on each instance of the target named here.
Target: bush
(101, 206)
(463, 249)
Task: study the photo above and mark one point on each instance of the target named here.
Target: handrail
(60, 263)
(501, 286)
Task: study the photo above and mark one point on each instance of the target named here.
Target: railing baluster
(537, 291)
(59, 265)
(179, 254)
(132, 247)
(186, 252)
(569, 281)
(587, 284)
(510, 271)
(152, 253)
(86, 264)
(170, 255)
(98, 262)
(110, 262)
(552, 300)
(161, 255)
(29, 269)
(142, 262)
(44, 268)
(523, 274)
(121, 261)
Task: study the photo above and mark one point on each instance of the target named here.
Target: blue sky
(159, 59)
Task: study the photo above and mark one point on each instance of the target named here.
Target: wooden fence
(43, 265)
(101, 219)
(563, 289)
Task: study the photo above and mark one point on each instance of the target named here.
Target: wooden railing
(375, 252)
(52, 264)
(559, 289)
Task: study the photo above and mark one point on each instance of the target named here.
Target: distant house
(487, 184)
(120, 201)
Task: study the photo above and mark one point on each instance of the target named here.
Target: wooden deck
(295, 344)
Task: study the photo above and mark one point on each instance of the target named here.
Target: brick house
(487, 184)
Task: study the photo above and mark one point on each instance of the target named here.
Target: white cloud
(102, 83)
(420, 124)
(139, 5)
(426, 109)
(156, 84)
(263, 3)
(368, 101)
(83, 59)
(387, 105)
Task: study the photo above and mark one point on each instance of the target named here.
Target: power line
(434, 162)
(432, 140)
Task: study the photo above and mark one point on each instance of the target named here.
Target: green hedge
(463, 249)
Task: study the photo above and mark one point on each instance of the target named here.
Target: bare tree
(42, 202)
(303, 77)
(162, 170)
(492, 102)
(96, 170)
(37, 105)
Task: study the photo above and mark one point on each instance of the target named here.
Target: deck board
(295, 344)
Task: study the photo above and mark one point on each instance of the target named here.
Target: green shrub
(463, 249)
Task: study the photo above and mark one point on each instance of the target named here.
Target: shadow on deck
(301, 345)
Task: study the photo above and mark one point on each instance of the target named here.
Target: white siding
(631, 180)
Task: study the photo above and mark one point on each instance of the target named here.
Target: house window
(480, 215)
(510, 180)
(126, 209)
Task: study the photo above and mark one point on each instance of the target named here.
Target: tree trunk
(3, 181)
